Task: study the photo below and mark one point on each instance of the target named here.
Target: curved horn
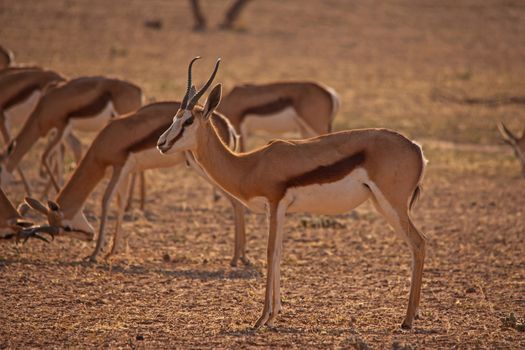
(188, 88)
(201, 92)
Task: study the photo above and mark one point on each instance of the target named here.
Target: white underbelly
(330, 198)
(94, 123)
(152, 158)
(281, 122)
(18, 114)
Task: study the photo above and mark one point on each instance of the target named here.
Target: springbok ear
(53, 206)
(35, 204)
(212, 101)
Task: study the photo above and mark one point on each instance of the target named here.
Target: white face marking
(79, 222)
(172, 141)
(96, 122)
(18, 114)
(331, 198)
(278, 123)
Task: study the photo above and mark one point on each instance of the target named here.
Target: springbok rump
(328, 174)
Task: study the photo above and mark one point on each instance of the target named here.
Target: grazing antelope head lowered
(188, 118)
(78, 228)
(517, 144)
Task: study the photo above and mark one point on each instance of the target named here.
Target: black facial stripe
(188, 122)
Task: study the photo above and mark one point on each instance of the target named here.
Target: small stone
(139, 337)
(166, 257)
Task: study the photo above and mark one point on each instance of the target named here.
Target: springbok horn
(188, 88)
(201, 92)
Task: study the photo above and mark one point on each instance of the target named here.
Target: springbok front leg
(106, 200)
(4, 129)
(240, 233)
(272, 301)
(75, 145)
(57, 138)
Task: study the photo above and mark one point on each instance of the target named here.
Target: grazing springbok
(86, 104)
(328, 174)
(20, 91)
(127, 145)
(6, 57)
(307, 107)
(14, 226)
(517, 144)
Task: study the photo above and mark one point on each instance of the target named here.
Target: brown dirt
(344, 286)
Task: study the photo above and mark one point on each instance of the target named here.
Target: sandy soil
(344, 285)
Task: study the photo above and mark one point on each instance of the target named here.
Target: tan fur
(315, 104)
(112, 148)
(390, 168)
(56, 110)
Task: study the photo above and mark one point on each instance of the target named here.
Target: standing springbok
(307, 107)
(14, 226)
(87, 104)
(517, 144)
(6, 57)
(327, 174)
(127, 145)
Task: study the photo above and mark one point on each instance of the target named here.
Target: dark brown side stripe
(269, 108)
(93, 108)
(150, 140)
(21, 96)
(328, 173)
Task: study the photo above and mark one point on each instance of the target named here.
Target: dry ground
(344, 286)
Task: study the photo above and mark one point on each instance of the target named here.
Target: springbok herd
(325, 172)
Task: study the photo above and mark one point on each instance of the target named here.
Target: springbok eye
(188, 122)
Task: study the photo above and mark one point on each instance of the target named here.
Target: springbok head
(517, 144)
(78, 228)
(182, 134)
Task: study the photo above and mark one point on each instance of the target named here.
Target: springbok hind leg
(106, 200)
(398, 217)
(122, 199)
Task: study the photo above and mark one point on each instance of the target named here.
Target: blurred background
(385, 58)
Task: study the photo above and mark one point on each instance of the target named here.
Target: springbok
(280, 107)
(127, 145)
(14, 226)
(19, 93)
(517, 144)
(328, 174)
(6, 57)
(86, 104)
